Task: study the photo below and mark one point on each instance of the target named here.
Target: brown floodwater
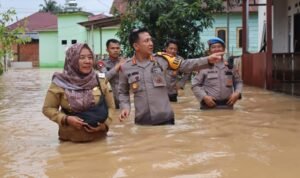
(258, 139)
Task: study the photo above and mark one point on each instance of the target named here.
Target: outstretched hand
(215, 57)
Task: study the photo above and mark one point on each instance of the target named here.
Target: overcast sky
(27, 7)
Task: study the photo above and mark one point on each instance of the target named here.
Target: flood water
(258, 139)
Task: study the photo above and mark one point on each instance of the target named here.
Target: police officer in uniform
(110, 67)
(144, 75)
(218, 86)
(175, 79)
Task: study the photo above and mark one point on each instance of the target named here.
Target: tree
(50, 6)
(183, 20)
(9, 37)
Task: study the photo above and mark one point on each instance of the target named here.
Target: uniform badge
(135, 85)
(100, 64)
(158, 79)
(174, 73)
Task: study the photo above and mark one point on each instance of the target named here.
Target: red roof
(37, 21)
(97, 17)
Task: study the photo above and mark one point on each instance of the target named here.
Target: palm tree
(50, 6)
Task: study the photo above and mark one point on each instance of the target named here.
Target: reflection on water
(260, 138)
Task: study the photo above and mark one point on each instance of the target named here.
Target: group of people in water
(81, 98)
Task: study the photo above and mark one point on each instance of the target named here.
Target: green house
(99, 30)
(78, 26)
(74, 27)
(228, 26)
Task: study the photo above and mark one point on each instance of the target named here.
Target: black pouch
(96, 114)
(173, 97)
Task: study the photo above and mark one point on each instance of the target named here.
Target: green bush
(1, 68)
(9, 37)
(183, 20)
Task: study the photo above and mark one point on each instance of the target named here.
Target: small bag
(96, 114)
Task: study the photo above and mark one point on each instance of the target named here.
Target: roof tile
(37, 21)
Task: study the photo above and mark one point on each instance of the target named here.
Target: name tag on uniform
(101, 75)
(212, 75)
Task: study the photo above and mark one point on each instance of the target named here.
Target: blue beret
(215, 40)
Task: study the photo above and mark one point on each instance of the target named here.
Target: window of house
(221, 32)
(74, 41)
(239, 34)
(64, 42)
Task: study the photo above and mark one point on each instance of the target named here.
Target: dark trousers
(169, 122)
(173, 97)
(220, 104)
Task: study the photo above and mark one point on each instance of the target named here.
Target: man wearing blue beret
(217, 86)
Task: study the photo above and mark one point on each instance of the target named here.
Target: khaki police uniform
(56, 101)
(112, 75)
(175, 78)
(147, 81)
(217, 81)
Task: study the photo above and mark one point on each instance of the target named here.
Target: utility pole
(228, 28)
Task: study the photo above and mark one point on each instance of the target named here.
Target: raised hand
(122, 61)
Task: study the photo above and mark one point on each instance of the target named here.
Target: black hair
(134, 35)
(172, 41)
(111, 41)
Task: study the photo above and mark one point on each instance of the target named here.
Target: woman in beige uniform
(77, 99)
